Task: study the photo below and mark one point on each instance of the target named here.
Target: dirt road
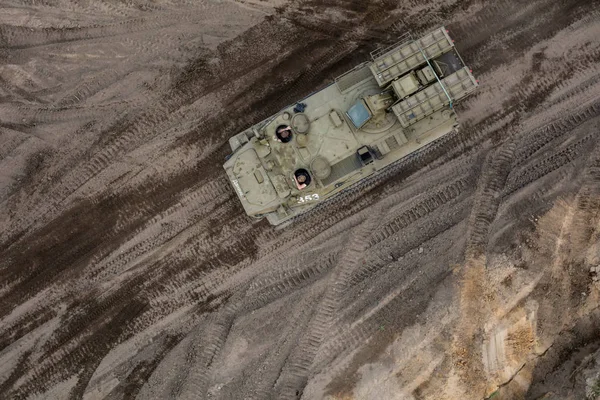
(129, 270)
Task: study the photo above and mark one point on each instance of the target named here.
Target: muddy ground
(129, 270)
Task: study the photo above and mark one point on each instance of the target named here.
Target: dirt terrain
(129, 269)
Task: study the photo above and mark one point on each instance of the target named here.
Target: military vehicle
(368, 118)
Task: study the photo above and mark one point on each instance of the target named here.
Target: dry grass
(520, 343)
(342, 396)
(475, 299)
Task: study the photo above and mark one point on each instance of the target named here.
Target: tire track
(216, 333)
(532, 142)
(445, 197)
(586, 221)
(167, 225)
(93, 85)
(289, 281)
(363, 316)
(511, 31)
(17, 113)
(532, 173)
(487, 197)
(466, 350)
(298, 366)
(420, 210)
(64, 357)
(17, 37)
(261, 383)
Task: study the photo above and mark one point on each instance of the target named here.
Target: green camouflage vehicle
(370, 117)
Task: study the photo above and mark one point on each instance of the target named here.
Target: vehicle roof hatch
(253, 179)
(359, 114)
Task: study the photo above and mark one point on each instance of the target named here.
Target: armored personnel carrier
(370, 117)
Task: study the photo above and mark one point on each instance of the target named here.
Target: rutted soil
(129, 269)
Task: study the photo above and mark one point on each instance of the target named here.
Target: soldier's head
(284, 133)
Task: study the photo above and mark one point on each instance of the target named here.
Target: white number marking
(308, 197)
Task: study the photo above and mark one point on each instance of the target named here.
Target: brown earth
(129, 270)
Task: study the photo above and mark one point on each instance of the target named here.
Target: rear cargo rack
(405, 38)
